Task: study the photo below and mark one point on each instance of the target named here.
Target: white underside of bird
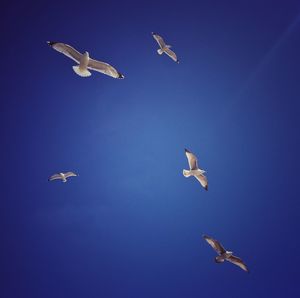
(224, 257)
(188, 173)
(82, 68)
(164, 50)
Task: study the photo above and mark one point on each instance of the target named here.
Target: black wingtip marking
(186, 150)
(51, 43)
(121, 76)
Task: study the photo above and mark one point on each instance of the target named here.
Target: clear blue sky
(131, 225)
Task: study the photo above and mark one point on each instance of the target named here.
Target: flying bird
(224, 254)
(84, 61)
(194, 169)
(164, 48)
(62, 176)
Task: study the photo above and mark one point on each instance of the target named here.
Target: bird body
(224, 256)
(188, 173)
(81, 69)
(63, 177)
(84, 61)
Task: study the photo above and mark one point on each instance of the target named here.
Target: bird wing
(55, 177)
(171, 54)
(203, 180)
(70, 174)
(216, 245)
(191, 159)
(159, 40)
(66, 50)
(239, 262)
(104, 68)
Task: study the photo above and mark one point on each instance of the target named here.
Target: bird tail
(80, 72)
(186, 173)
(160, 51)
(219, 259)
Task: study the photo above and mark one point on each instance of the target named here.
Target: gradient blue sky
(130, 225)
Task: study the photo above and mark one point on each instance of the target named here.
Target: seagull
(84, 61)
(62, 176)
(194, 169)
(164, 48)
(224, 254)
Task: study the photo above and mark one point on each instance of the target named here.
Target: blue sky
(131, 225)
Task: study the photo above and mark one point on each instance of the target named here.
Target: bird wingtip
(121, 76)
(51, 43)
(186, 150)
